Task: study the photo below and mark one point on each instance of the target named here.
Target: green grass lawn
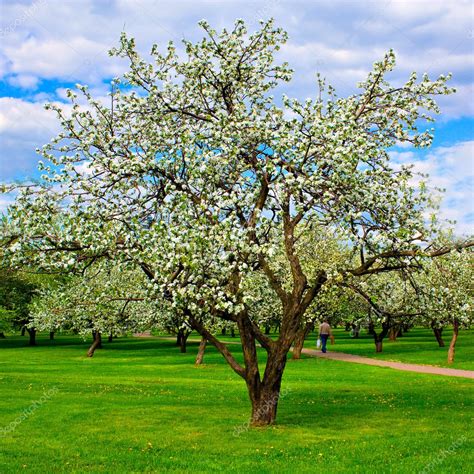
(417, 346)
(141, 406)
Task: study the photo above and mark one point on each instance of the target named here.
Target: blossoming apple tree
(195, 174)
(445, 293)
(104, 299)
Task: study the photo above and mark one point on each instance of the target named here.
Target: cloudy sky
(49, 45)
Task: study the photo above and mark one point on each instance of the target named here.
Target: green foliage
(17, 291)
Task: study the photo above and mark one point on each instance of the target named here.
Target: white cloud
(22, 118)
(71, 59)
(69, 40)
(24, 126)
(450, 168)
(24, 81)
(5, 201)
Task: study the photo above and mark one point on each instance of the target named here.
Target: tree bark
(452, 345)
(23, 330)
(2, 335)
(264, 407)
(96, 344)
(300, 338)
(265, 395)
(392, 334)
(111, 337)
(32, 333)
(264, 392)
(201, 350)
(51, 335)
(438, 332)
(378, 338)
(232, 332)
(183, 341)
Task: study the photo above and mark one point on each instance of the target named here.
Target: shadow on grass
(138, 349)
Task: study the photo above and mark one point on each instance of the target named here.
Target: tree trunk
(23, 330)
(201, 350)
(452, 345)
(393, 332)
(265, 395)
(96, 344)
(179, 337)
(183, 341)
(2, 335)
(32, 333)
(223, 332)
(232, 332)
(267, 329)
(264, 408)
(438, 332)
(300, 338)
(299, 343)
(51, 335)
(378, 338)
(111, 337)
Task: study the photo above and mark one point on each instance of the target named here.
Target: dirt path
(422, 369)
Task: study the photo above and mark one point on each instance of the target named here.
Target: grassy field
(417, 346)
(141, 406)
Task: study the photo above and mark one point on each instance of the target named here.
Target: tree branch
(222, 348)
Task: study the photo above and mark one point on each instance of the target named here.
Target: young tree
(445, 294)
(17, 291)
(104, 299)
(195, 175)
(391, 302)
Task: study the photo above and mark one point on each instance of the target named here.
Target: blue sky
(49, 45)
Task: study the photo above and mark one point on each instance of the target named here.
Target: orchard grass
(140, 406)
(417, 346)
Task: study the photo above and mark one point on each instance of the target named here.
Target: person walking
(324, 333)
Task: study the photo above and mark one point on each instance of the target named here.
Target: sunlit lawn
(141, 406)
(417, 346)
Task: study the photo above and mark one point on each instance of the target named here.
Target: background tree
(391, 302)
(445, 293)
(105, 299)
(17, 291)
